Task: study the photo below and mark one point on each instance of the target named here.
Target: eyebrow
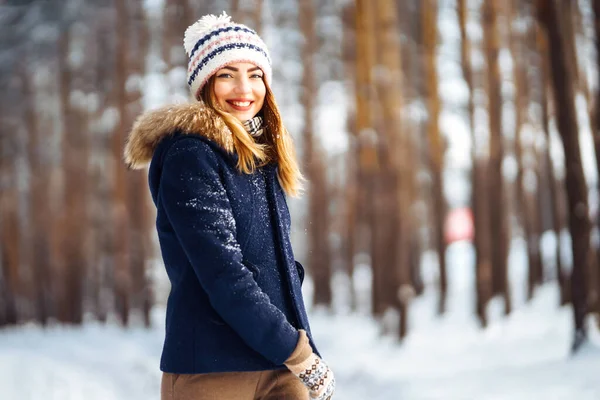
(229, 67)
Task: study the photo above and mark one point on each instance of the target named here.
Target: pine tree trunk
(410, 22)
(351, 227)
(526, 209)
(479, 194)
(236, 11)
(137, 196)
(556, 193)
(436, 146)
(579, 31)
(257, 16)
(535, 201)
(120, 216)
(595, 117)
(521, 200)
(495, 184)
(101, 268)
(367, 152)
(10, 233)
(74, 150)
(39, 222)
(566, 21)
(570, 16)
(249, 13)
(318, 216)
(392, 237)
(177, 16)
(579, 224)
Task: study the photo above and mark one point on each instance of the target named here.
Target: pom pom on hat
(213, 42)
(201, 27)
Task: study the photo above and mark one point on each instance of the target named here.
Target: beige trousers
(260, 385)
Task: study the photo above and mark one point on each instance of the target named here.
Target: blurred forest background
(76, 227)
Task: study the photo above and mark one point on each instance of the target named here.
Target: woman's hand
(316, 376)
(311, 370)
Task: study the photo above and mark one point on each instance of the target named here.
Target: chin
(243, 116)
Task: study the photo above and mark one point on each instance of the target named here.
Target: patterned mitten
(311, 370)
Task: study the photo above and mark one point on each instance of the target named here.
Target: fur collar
(151, 127)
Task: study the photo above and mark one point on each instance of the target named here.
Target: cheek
(260, 92)
(220, 91)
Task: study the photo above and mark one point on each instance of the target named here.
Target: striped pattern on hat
(214, 42)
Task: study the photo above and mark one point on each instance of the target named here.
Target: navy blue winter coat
(235, 302)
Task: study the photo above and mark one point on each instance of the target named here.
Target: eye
(225, 75)
(256, 76)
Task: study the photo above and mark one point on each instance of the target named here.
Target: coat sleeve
(198, 208)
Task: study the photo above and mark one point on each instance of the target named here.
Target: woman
(236, 325)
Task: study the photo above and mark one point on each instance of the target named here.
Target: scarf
(254, 126)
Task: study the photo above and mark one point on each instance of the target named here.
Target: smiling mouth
(240, 105)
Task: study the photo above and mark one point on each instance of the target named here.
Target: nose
(243, 85)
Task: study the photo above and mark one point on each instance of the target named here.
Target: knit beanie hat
(213, 42)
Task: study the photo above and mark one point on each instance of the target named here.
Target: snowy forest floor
(523, 356)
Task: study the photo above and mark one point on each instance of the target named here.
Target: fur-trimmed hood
(151, 127)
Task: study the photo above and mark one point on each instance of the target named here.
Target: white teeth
(241, 103)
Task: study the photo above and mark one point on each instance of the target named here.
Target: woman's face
(240, 90)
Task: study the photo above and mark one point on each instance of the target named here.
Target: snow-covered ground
(524, 356)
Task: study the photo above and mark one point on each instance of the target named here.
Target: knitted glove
(311, 370)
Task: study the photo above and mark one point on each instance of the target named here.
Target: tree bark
(595, 117)
(120, 216)
(571, 24)
(101, 265)
(555, 187)
(366, 141)
(257, 16)
(318, 215)
(479, 194)
(435, 140)
(236, 11)
(177, 16)
(10, 233)
(410, 23)
(249, 12)
(351, 223)
(526, 208)
(74, 150)
(137, 195)
(394, 177)
(579, 224)
(499, 223)
(578, 30)
(39, 224)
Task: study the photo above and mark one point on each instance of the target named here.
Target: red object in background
(459, 225)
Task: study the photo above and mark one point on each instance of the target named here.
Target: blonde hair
(275, 145)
